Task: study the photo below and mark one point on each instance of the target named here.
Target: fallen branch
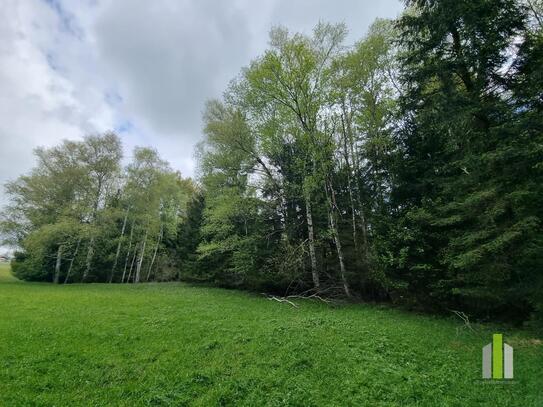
(280, 299)
(464, 318)
(308, 297)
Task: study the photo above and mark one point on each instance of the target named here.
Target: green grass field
(173, 344)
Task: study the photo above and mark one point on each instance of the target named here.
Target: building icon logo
(497, 359)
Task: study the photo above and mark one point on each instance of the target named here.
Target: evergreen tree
(468, 180)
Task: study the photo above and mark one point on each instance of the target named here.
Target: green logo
(497, 359)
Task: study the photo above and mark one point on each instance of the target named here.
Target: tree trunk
(344, 281)
(140, 260)
(128, 252)
(364, 229)
(132, 264)
(58, 264)
(358, 200)
(337, 240)
(350, 186)
(118, 247)
(155, 252)
(90, 250)
(364, 235)
(88, 260)
(72, 261)
(311, 235)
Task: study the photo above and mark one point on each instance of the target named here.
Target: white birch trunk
(132, 264)
(350, 186)
(155, 252)
(118, 252)
(72, 261)
(337, 240)
(128, 252)
(58, 264)
(356, 168)
(90, 250)
(140, 260)
(88, 260)
(311, 235)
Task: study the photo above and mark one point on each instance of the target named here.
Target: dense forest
(407, 168)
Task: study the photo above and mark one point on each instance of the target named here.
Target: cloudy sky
(141, 68)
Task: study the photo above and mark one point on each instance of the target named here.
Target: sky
(143, 69)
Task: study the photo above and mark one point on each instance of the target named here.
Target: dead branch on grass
(465, 320)
(280, 299)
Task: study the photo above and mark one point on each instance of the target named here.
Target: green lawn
(173, 344)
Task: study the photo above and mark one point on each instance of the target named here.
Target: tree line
(406, 168)
(79, 217)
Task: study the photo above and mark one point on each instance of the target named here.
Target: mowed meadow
(174, 344)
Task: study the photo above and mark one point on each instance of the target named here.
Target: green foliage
(407, 167)
(72, 215)
(183, 246)
(468, 179)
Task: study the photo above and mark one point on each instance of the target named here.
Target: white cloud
(42, 100)
(144, 69)
(37, 105)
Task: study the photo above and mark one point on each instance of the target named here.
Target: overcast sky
(141, 68)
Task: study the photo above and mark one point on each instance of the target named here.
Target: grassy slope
(171, 344)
